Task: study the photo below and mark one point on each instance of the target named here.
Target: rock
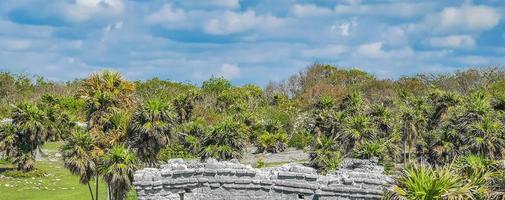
(180, 179)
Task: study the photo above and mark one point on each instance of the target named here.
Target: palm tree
(30, 133)
(119, 165)
(78, 158)
(184, 105)
(225, 141)
(7, 139)
(150, 130)
(486, 137)
(104, 93)
(413, 121)
(356, 130)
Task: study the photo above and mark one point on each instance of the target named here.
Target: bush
(174, 151)
(272, 142)
(375, 148)
(20, 174)
(325, 155)
(425, 182)
(300, 140)
(260, 163)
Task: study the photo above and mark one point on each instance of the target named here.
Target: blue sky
(247, 41)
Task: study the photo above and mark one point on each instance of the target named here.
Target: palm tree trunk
(91, 191)
(96, 187)
(405, 152)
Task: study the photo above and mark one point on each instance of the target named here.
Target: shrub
(174, 151)
(300, 140)
(272, 142)
(425, 182)
(260, 163)
(325, 155)
(20, 174)
(225, 141)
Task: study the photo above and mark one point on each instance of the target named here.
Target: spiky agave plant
(428, 183)
(480, 172)
(325, 154)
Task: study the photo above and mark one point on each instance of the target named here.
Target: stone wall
(212, 180)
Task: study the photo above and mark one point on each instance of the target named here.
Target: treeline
(443, 129)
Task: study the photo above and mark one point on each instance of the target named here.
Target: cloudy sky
(247, 41)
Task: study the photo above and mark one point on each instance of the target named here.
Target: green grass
(58, 184)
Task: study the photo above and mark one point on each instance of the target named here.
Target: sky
(247, 41)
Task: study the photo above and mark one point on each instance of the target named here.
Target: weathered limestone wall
(212, 180)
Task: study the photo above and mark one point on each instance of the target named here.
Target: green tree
(150, 130)
(225, 141)
(78, 157)
(118, 167)
(30, 133)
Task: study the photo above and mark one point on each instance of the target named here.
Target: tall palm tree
(30, 133)
(104, 93)
(78, 158)
(413, 122)
(118, 168)
(150, 130)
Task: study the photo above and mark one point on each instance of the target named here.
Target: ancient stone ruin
(212, 180)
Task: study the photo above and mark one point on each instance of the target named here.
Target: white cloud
(402, 10)
(232, 22)
(227, 4)
(467, 17)
(453, 41)
(327, 51)
(344, 28)
(307, 10)
(229, 71)
(375, 50)
(169, 17)
(82, 10)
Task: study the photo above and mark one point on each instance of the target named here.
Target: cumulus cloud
(325, 51)
(344, 28)
(227, 4)
(307, 10)
(395, 9)
(453, 41)
(229, 71)
(466, 17)
(375, 50)
(169, 17)
(233, 22)
(82, 10)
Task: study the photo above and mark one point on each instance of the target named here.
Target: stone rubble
(213, 180)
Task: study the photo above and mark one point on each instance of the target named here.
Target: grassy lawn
(58, 184)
